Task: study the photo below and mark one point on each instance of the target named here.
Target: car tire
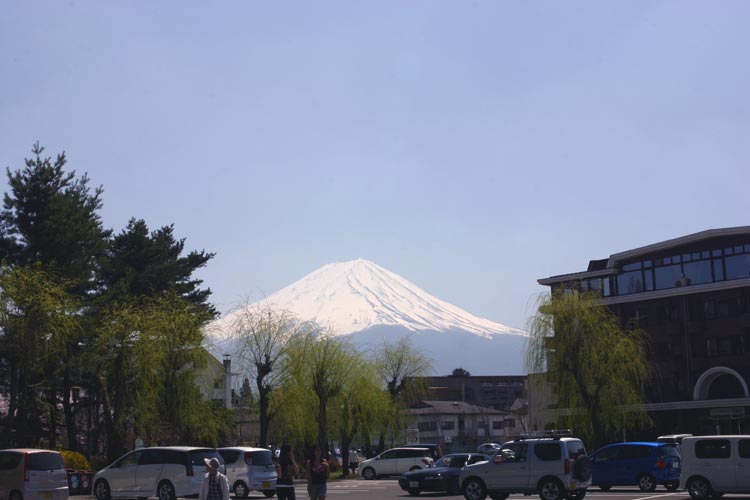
(582, 468)
(550, 488)
(474, 489)
(102, 491)
(369, 473)
(165, 491)
(672, 485)
(413, 492)
(646, 483)
(15, 495)
(269, 493)
(576, 494)
(240, 489)
(699, 488)
(605, 487)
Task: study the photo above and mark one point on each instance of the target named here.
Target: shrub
(74, 460)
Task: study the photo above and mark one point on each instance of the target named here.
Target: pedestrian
(215, 485)
(286, 469)
(317, 475)
(353, 460)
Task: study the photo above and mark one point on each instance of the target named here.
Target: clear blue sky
(469, 146)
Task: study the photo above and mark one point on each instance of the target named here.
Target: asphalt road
(380, 489)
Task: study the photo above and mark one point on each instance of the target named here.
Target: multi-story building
(492, 391)
(692, 296)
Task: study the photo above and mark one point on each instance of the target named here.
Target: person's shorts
(316, 490)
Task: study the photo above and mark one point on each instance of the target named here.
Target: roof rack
(551, 433)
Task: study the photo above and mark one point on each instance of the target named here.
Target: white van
(249, 469)
(714, 465)
(29, 474)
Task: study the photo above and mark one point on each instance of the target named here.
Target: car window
(197, 456)
(668, 451)
(129, 460)
(478, 458)
(150, 457)
(45, 461)
(548, 452)
(261, 457)
(607, 454)
(712, 448)
(514, 452)
(173, 457)
(744, 445)
(9, 460)
(386, 455)
(575, 448)
(455, 461)
(230, 456)
(634, 452)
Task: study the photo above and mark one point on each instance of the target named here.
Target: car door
(386, 463)
(149, 469)
(511, 468)
(121, 476)
(604, 466)
(742, 470)
(715, 459)
(632, 463)
(11, 472)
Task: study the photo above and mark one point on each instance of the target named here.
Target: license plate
(265, 484)
(48, 494)
(413, 484)
(675, 465)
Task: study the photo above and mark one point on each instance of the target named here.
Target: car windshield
(45, 461)
(262, 457)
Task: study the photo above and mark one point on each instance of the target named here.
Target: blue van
(644, 464)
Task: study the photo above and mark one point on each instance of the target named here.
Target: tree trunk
(70, 422)
(323, 425)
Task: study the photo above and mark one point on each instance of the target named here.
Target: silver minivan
(249, 469)
(714, 465)
(166, 472)
(30, 474)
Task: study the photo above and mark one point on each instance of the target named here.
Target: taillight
(566, 469)
(248, 458)
(660, 463)
(26, 467)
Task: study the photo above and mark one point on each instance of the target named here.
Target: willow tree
(594, 367)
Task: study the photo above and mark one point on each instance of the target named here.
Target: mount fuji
(368, 303)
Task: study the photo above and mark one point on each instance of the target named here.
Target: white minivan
(249, 469)
(30, 474)
(714, 465)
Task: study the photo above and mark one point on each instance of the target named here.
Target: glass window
(649, 279)
(514, 452)
(738, 266)
(712, 448)
(448, 426)
(632, 266)
(716, 253)
(606, 291)
(744, 445)
(229, 456)
(548, 452)
(669, 450)
(718, 270)
(388, 455)
(263, 457)
(667, 276)
(129, 460)
(497, 424)
(575, 448)
(46, 461)
(9, 460)
(607, 454)
(698, 271)
(634, 452)
(705, 254)
(630, 282)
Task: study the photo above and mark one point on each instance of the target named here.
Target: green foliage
(74, 460)
(594, 367)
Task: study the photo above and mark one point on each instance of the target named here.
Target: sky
(471, 147)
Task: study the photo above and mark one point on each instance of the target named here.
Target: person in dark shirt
(317, 475)
(286, 469)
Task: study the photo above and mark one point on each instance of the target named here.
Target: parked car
(435, 450)
(488, 448)
(644, 464)
(395, 462)
(443, 476)
(249, 469)
(166, 472)
(555, 467)
(714, 465)
(28, 474)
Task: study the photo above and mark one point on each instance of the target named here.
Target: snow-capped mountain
(361, 299)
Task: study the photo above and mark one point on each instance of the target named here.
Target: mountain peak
(356, 295)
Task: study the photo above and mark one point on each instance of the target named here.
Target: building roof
(451, 408)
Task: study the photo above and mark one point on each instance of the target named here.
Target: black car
(442, 477)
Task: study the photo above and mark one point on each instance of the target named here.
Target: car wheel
(369, 473)
(576, 494)
(165, 491)
(605, 487)
(646, 482)
(269, 493)
(240, 489)
(101, 490)
(15, 495)
(550, 488)
(672, 485)
(474, 489)
(414, 492)
(699, 488)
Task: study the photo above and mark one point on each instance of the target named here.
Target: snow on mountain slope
(358, 295)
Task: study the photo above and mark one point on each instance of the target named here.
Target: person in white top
(353, 460)
(215, 485)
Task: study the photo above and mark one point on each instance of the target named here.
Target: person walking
(286, 469)
(215, 485)
(353, 460)
(317, 475)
